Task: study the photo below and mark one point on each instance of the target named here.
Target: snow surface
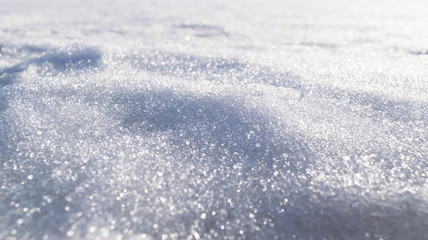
(213, 119)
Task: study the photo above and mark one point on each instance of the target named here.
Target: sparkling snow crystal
(213, 119)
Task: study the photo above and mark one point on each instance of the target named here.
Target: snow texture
(213, 119)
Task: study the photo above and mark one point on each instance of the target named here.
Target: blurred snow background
(213, 119)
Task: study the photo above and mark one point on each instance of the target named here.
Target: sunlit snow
(213, 119)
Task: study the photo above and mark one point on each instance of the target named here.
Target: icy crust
(107, 144)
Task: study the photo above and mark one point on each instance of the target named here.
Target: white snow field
(213, 119)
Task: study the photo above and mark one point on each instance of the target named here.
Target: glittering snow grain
(213, 120)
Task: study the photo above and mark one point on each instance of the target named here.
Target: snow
(213, 119)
